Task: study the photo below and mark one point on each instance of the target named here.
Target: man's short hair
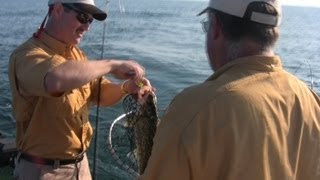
(236, 28)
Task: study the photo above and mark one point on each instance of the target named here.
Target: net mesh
(131, 134)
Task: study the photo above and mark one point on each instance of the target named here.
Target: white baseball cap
(86, 6)
(239, 7)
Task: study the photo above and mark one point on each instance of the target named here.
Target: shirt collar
(55, 45)
(259, 63)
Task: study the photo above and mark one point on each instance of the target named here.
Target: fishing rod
(98, 100)
(312, 83)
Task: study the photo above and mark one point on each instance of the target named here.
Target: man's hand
(122, 69)
(140, 89)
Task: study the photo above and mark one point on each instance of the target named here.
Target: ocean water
(166, 38)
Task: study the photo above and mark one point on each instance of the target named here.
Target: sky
(313, 3)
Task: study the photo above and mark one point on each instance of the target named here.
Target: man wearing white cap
(250, 120)
(53, 84)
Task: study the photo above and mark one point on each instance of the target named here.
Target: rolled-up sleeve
(31, 69)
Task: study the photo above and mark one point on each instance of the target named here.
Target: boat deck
(7, 152)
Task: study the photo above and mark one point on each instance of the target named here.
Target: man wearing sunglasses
(53, 84)
(250, 120)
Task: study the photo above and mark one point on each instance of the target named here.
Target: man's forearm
(74, 74)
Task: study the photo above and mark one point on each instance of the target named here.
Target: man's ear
(57, 9)
(216, 27)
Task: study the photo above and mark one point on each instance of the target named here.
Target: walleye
(144, 120)
(141, 120)
(145, 129)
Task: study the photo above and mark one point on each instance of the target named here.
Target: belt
(44, 161)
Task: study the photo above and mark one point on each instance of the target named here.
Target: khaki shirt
(251, 120)
(48, 127)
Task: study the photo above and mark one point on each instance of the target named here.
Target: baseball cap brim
(96, 13)
(204, 11)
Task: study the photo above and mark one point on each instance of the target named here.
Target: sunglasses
(205, 25)
(82, 17)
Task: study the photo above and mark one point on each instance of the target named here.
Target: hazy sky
(314, 3)
(302, 2)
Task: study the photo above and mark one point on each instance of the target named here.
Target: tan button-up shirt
(48, 127)
(251, 120)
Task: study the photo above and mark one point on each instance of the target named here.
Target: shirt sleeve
(190, 142)
(169, 159)
(31, 68)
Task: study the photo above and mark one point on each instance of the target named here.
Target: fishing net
(132, 143)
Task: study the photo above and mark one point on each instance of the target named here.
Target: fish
(141, 120)
(145, 126)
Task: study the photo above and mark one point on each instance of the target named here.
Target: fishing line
(311, 76)
(98, 100)
(310, 71)
(122, 11)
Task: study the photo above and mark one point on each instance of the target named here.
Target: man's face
(72, 30)
(211, 43)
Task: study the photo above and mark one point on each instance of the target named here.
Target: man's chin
(75, 42)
